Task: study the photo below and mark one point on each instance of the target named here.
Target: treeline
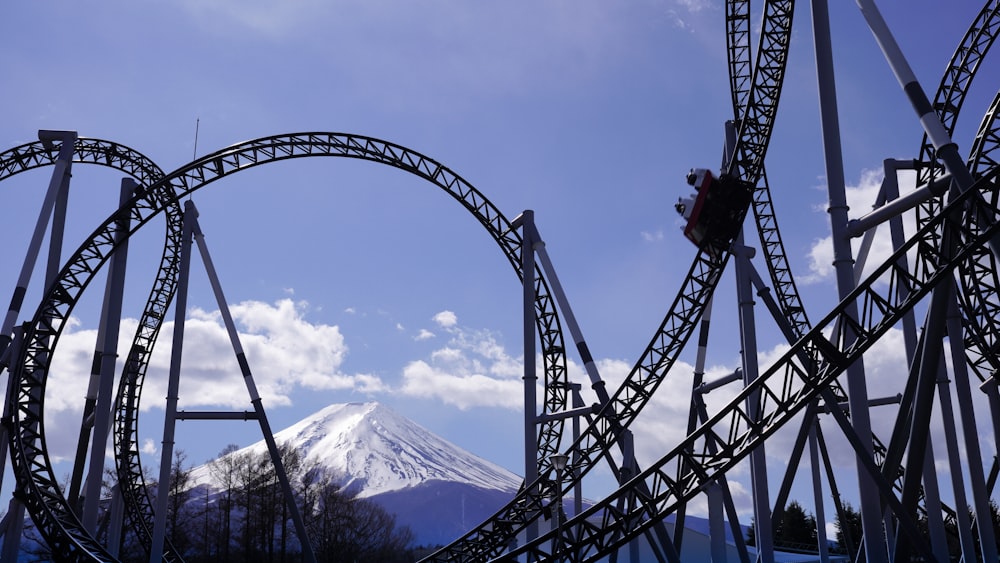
(246, 518)
(796, 530)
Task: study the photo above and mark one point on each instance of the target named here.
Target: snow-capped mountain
(371, 450)
(432, 485)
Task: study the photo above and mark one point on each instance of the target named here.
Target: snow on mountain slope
(370, 450)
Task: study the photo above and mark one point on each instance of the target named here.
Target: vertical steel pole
(60, 175)
(891, 186)
(932, 502)
(715, 501)
(110, 329)
(54, 207)
(764, 532)
(970, 432)
(932, 497)
(115, 521)
(578, 402)
(871, 510)
(716, 522)
(926, 371)
(817, 482)
(173, 384)
(955, 464)
(530, 377)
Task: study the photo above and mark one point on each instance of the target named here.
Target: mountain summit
(436, 488)
(370, 449)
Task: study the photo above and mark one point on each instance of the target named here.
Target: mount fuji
(436, 488)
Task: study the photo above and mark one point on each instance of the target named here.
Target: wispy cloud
(861, 197)
(471, 370)
(652, 236)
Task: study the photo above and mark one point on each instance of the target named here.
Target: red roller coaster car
(714, 212)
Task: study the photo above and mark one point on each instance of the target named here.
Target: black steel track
(811, 367)
(740, 71)
(978, 277)
(952, 92)
(786, 388)
(42, 495)
(112, 155)
(493, 537)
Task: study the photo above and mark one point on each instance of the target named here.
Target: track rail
(952, 92)
(38, 154)
(93, 151)
(978, 277)
(492, 538)
(785, 389)
(740, 70)
(42, 495)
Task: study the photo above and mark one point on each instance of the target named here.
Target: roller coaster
(946, 269)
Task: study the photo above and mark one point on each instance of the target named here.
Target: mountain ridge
(436, 488)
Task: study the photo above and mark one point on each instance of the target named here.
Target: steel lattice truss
(951, 237)
(492, 538)
(89, 151)
(954, 88)
(787, 387)
(44, 500)
(978, 275)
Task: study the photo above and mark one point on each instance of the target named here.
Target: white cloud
(860, 199)
(446, 319)
(149, 447)
(463, 390)
(471, 370)
(424, 334)
(285, 352)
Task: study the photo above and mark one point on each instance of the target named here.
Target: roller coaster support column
(970, 431)
(173, 385)
(871, 508)
(818, 492)
(659, 538)
(578, 403)
(947, 411)
(893, 207)
(714, 492)
(763, 533)
(888, 207)
(54, 208)
(59, 181)
(530, 377)
(597, 384)
(272, 447)
(945, 149)
(97, 411)
(890, 186)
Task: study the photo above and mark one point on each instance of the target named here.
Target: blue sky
(355, 282)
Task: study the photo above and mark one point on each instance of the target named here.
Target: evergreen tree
(795, 529)
(848, 526)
